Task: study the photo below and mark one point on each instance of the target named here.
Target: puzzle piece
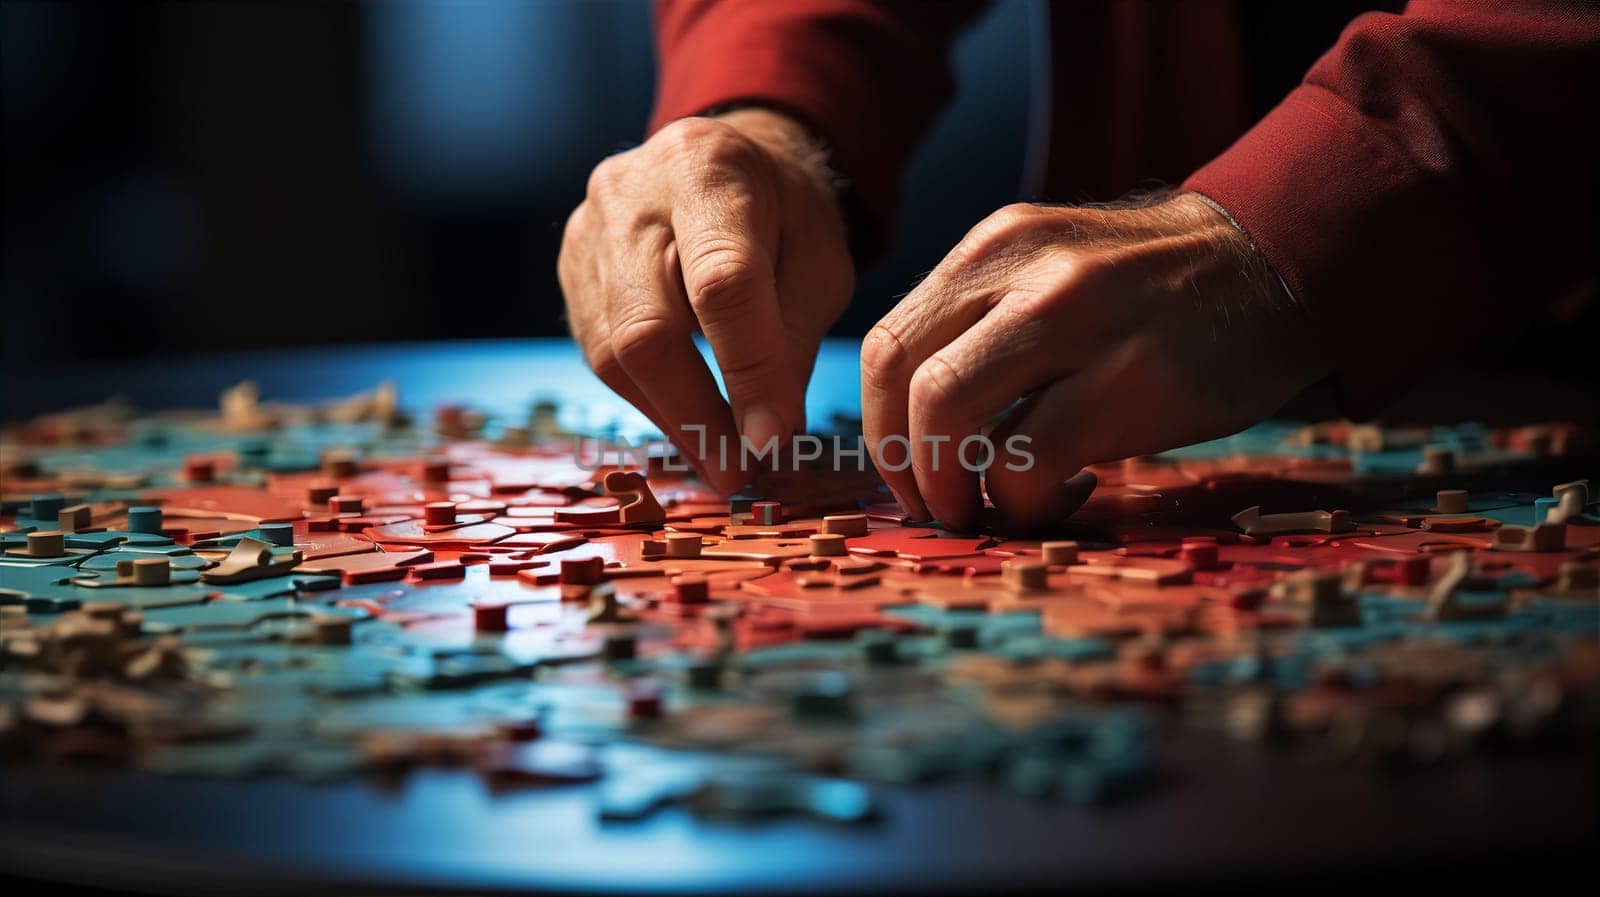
(476, 603)
(636, 505)
(242, 616)
(46, 589)
(145, 571)
(249, 560)
(373, 566)
(1255, 523)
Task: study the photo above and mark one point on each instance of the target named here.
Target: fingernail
(761, 425)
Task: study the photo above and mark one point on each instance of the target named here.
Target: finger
(933, 314)
(1073, 422)
(606, 367)
(960, 389)
(579, 276)
(815, 281)
(1066, 499)
(723, 235)
(602, 360)
(650, 333)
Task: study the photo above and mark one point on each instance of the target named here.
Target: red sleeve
(1434, 180)
(868, 77)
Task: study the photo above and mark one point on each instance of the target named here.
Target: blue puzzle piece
(112, 538)
(179, 557)
(240, 615)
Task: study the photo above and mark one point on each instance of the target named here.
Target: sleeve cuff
(837, 74)
(1377, 247)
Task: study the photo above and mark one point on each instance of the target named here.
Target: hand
(1129, 331)
(729, 226)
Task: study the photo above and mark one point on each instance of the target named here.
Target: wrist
(772, 128)
(790, 142)
(1262, 294)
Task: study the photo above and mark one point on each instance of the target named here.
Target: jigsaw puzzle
(335, 591)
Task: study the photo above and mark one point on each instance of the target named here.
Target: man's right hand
(730, 226)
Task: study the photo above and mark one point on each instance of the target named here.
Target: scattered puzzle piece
(324, 592)
(251, 559)
(1255, 523)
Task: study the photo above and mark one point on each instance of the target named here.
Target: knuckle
(576, 224)
(750, 379)
(934, 387)
(1090, 270)
(566, 276)
(598, 356)
(712, 147)
(1016, 213)
(985, 240)
(1022, 311)
(605, 366)
(576, 243)
(569, 276)
(640, 337)
(686, 133)
(729, 150)
(1004, 224)
(971, 251)
(722, 279)
(882, 353)
(605, 180)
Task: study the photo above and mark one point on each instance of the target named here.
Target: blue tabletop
(501, 377)
(1226, 810)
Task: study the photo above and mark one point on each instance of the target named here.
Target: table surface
(1224, 810)
(497, 376)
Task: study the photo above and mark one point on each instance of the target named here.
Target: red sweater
(1435, 174)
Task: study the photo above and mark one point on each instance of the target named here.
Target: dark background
(202, 177)
(187, 176)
